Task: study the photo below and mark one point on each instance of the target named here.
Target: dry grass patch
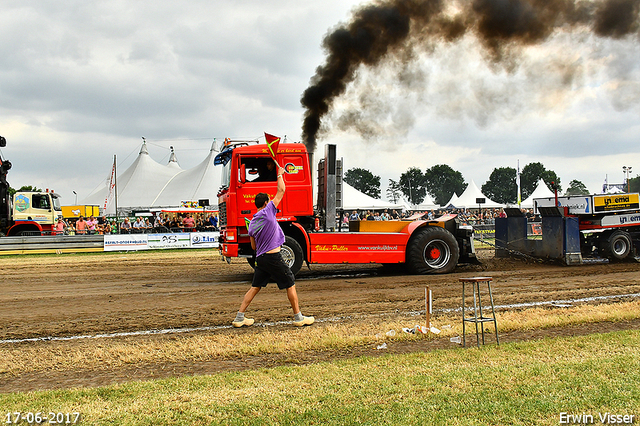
(117, 352)
(516, 383)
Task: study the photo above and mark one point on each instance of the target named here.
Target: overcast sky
(82, 81)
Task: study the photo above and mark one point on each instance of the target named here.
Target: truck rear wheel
(433, 250)
(617, 246)
(291, 253)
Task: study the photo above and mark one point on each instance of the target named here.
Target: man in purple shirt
(266, 239)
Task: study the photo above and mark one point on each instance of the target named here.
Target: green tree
(532, 173)
(442, 181)
(393, 191)
(634, 184)
(412, 185)
(364, 181)
(576, 187)
(26, 188)
(501, 186)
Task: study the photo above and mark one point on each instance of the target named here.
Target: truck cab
(248, 170)
(34, 213)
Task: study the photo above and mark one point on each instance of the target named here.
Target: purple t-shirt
(265, 230)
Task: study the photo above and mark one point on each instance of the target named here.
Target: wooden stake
(427, 305)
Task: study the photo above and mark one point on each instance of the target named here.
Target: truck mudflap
(229, 250)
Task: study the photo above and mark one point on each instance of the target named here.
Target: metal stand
(477, 317)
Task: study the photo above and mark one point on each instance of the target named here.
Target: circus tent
(148, 184)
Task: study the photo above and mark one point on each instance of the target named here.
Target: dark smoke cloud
(389, 30)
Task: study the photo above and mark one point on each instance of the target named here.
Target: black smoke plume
(387, 28)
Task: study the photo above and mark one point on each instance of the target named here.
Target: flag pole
(519, 188)
(115, 185)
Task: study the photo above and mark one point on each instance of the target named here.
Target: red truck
(423, 246)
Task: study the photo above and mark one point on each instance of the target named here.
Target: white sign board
(125, 242)
(169, 241)
(204, 239)
(577, 204)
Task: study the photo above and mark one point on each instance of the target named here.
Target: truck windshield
(226, 175)
(56, 203)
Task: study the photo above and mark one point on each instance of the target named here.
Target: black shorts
(271, 266)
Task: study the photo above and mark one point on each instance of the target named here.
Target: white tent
(200, 182)
(541, 191)
(352, 199)
(147, 184)
(427, 204)
(469, 196)
(452, 202)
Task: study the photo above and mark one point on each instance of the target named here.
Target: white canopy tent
(470, 195)
(541, 191)
(147, 183)
(427, 204)
(352, 199)
(452, 202)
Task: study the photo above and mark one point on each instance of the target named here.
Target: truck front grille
(222, 214)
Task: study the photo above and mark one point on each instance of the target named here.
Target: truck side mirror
(243, 173)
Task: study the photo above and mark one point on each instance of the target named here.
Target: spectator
(354, 216)
(92, 225)
(189, 223)
(81, 226)
(59, 227)
(174, 225)
(138, 225)
(159, 221)
(213, 221)
(125, 227)
(102, 221)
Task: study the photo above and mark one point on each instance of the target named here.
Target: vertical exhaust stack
(330, 173)
(5, 198)
(329, 187)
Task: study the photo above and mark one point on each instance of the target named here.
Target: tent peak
(172, 157)
(143, 149)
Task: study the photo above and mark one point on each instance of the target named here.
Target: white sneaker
(304, 321)
(246, 321)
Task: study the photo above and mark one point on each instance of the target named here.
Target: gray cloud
(81, 81)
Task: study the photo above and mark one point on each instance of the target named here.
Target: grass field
(518, 383)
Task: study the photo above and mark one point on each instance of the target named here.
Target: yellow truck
(74, 212)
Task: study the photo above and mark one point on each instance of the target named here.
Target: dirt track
(86, 294)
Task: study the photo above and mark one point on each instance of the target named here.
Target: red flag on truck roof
(272, 144)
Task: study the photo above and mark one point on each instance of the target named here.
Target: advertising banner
(204, 239)
(161, 241)
(125, 242)
(606, 203)
(169, 241)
